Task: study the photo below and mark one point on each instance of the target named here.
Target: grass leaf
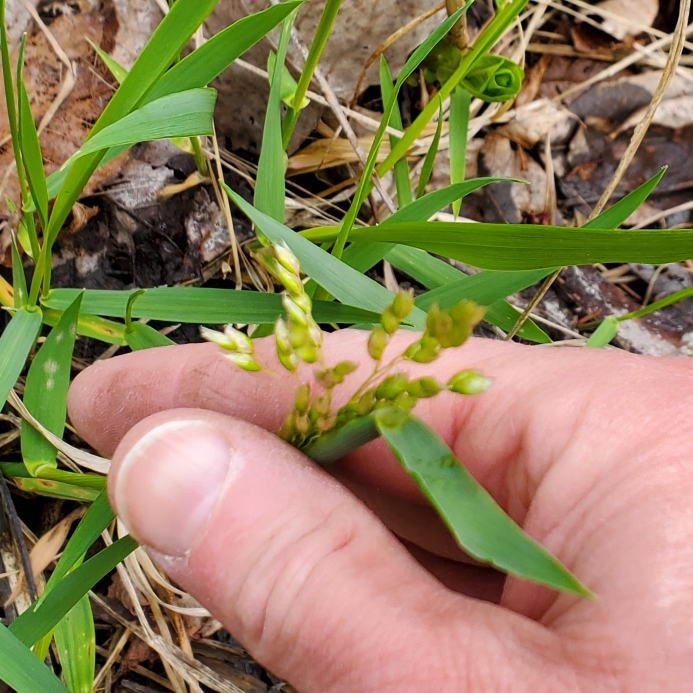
(429, 161)
(141, 336)
(21, 670)
(203, 306)
(460, 101)
(340, 280)
(401, 172)
(476, 521)
(21, 295)
(75, 638)
(45, 392)
(603, 334)
(208, 61)
(270, 189)
(44, 615)
(529, 247)
(30, 147)
(185, 114)
(16, 343)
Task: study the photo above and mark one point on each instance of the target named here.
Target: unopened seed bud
(286, 258)
(423, 388)
(282, 335)
(328, 378)
(244, 361)
(218, 338)
(322, 405)
(302, 425)
(389, 321)
(469, 383)
(403, 304)
(294, 311)
(298, 336)
(288, 359)
(425, 350)
(314, 334)
(392, 387)
(243, 343)
(302, 398)
(303, 301)
(289, 280)
(366, 403)
(308, 353)
(377, 343)
(439, 325)
(346, 368)
(466, 315)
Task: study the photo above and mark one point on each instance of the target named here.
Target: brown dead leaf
(137, 653)
(47, 548)
(117, 591)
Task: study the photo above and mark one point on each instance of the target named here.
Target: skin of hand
(589, 451)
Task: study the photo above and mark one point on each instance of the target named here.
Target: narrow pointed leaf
(21, 670)
(75, 638)
(429, 161)
(45, 392)
(460, 101)
(476, 521)
(340, 280)
(32, 157)
(45, 614)
(141, 336)
(270, 186)
(209, 60)
(15, 344)
(529, 247)
(202, 306)
(21, 294)
(603, 334)
(185, 114)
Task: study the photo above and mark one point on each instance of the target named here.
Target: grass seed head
(377, 343)
(392, 387)
(244, 361)
(424, 388)
(469, 383)
(403, 304)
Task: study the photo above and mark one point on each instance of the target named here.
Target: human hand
(589, 451)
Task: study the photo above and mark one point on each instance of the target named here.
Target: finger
(304, 575)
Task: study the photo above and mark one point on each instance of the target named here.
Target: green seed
(469, 383)
(403, 304)
(392, 387)
(423, 388)
(377, 343)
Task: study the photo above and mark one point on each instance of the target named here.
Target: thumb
(303, 574)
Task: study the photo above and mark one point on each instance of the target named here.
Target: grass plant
(163, 96)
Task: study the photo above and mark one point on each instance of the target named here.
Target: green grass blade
(45, 392)
(21, 295)
(15, 344)
(658, 305)
(203, 306)
(483, 43)
(430, 160)
(317, 45)
(45, 614)
(365, 183)
(476, 521)
(31, 149)
(95, 520)
(460, 101)
(21, 670)
(56, 489)
(184, 114)
(434, 274)
(75, 638)
(616, 215)
(340, 280)
(208, 61)
(141, 336)
(270, 185)
(484, 288)
(603, 334)
(114, 67)
(168, 40)
(333, 446)
(529, 247)
(401, 172)
(18, 470)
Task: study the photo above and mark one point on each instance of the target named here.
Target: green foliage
(476, 521)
